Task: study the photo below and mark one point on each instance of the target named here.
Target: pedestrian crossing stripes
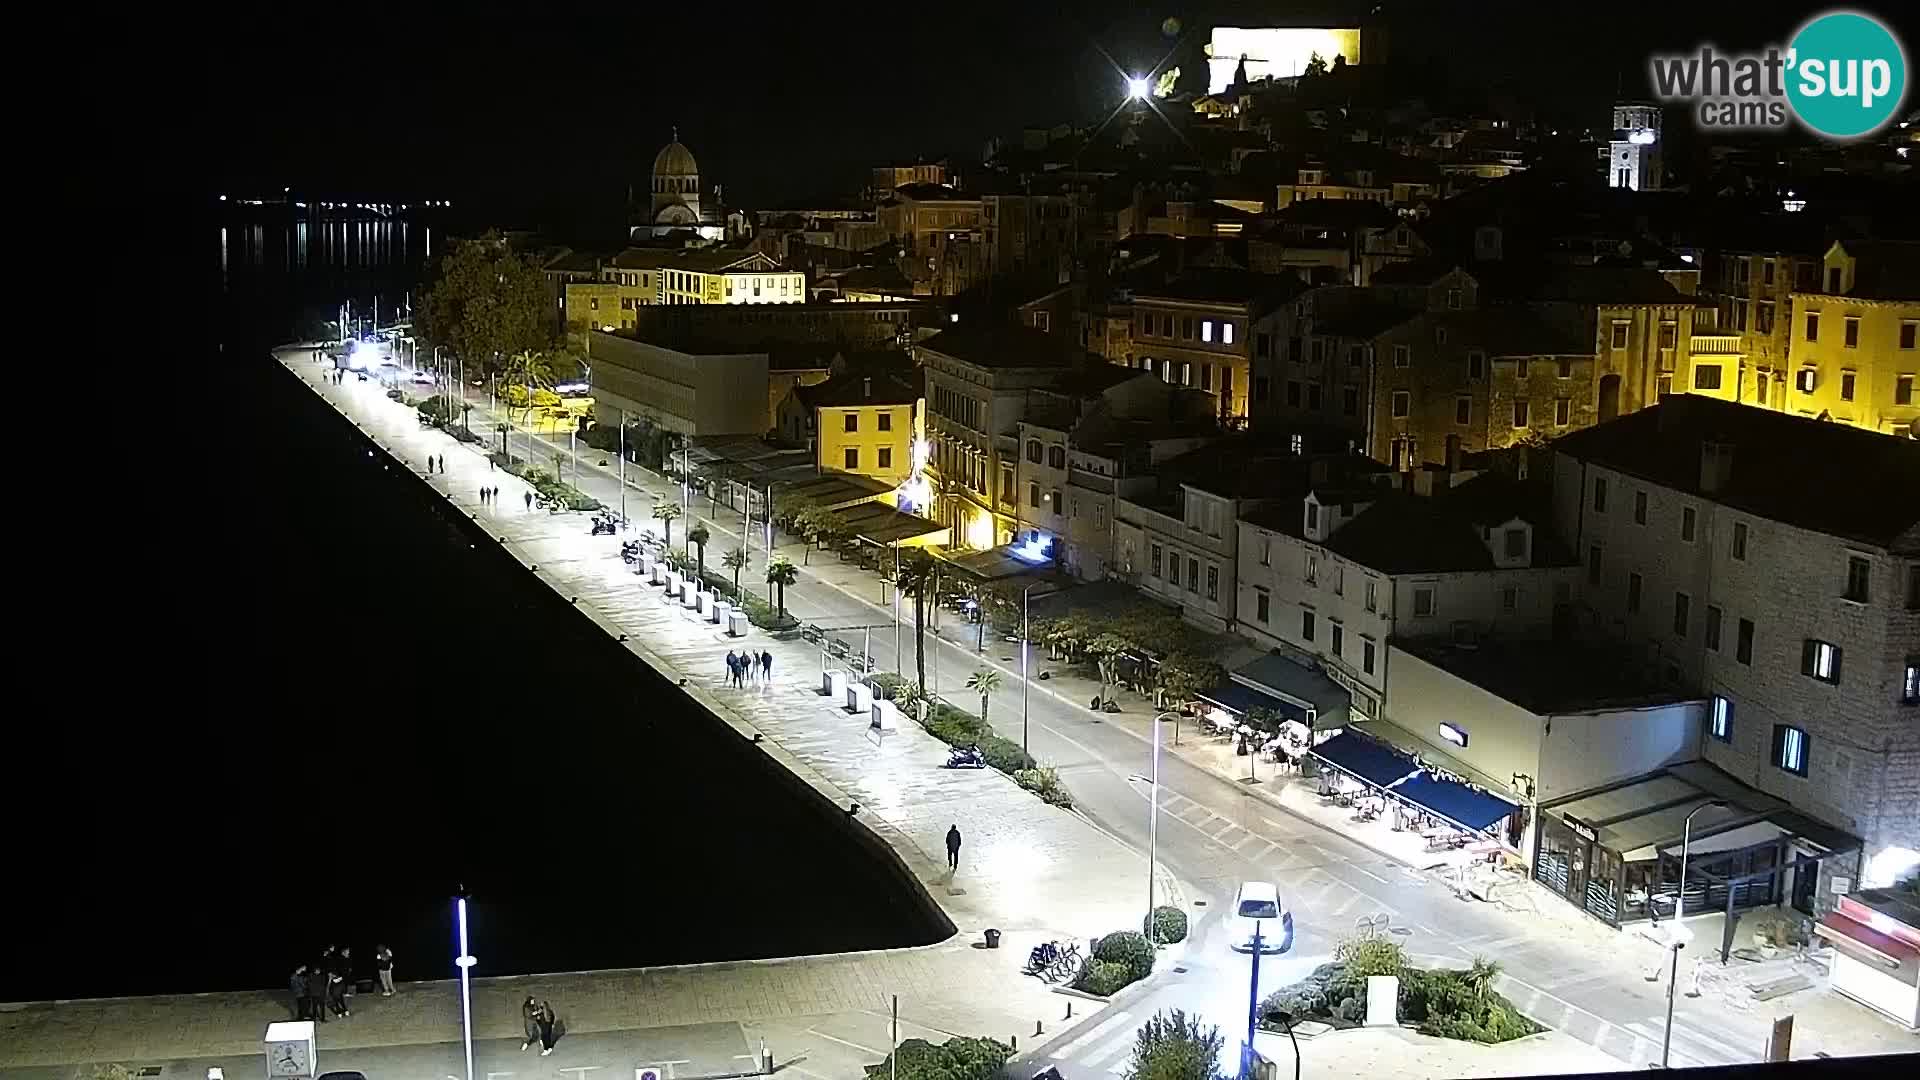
(1103, 1027)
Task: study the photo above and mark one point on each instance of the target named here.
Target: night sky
(556, 115)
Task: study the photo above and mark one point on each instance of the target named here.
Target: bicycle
(1066, 965)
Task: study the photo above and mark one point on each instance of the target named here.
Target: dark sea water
(325, 706)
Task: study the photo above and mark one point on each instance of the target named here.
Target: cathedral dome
(675, 159)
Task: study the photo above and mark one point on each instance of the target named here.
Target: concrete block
(1383, 1001)
(886, 715)
(720, 612)
(657, 573)
(859, 698)
(837, 685)
(737, 624)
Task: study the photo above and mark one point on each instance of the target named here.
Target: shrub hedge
(1103, 977)
(1165, 925)
(1129, 948)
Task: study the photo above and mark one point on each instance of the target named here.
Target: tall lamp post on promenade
(1676, 940)
(1023, 660)
(465, 961)
(1153, 821)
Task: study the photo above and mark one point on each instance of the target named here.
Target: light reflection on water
(323, 245)
(282, 279)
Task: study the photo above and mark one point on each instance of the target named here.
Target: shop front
(1448, 812)
(1616, 852)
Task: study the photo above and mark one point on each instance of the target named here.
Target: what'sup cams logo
(1843, 76)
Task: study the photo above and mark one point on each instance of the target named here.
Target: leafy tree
(664, 512)
(698, 537)
(735, 560)
(1184, 676)
(919, 578)
(984, 682)
(816, 524)
(532, 372)
(780, 574)
(1175, 1046)
(488, 303)
(1107, 649)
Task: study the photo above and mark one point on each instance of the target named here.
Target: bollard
(766, 1059)
(1036, 1029)
(1015, 1041)
(1069, 1015)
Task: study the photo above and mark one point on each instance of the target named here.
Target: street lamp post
(1153, 821)
(1253, 1005)
(1023, 666)
(465, 961)
(1679, 908)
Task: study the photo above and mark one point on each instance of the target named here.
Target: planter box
(673, 583)
(886, 716)
(836, 684)
(859, 698)
(737, 624)
(657, 572)
(702, 602)
(719, 612)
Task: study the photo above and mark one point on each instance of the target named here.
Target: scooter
(630, 552)
(966, 757)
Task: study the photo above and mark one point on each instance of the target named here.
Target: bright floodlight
(1137, 88)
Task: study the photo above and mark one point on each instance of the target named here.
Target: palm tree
(919, 578)
(531, 371)
(698, 537)
(665, 512)
(780, 574)
(984, 682)
(736, 561)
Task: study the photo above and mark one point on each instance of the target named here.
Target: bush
(1129, 948)
(1003, 754)
(396, 394)
(1364, 956)
(958, 1058)
(506, 461)
(1174, 1046)
(956, 727)
(886, 684)
(1165, 925)
(1104, 978)
(1044, 782)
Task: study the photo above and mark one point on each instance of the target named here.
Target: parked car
(1258, 906)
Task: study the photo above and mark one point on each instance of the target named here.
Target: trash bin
(993, 939)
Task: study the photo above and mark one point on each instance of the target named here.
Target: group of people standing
(327, 985)
(744, 666)
(489, 494)
(542, 1025)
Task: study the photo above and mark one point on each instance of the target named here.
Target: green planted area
(1119, 960)
(958, 727)
(1444, 1002)
(959, 1058)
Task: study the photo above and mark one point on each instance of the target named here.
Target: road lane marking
(845, 1042)
(1236, 846)
(1104, 1026)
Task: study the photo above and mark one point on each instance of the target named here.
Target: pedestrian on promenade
(732, 662)
(490, 463)
(549, 1028)
(346, 975)
(302, 994)
(953, 847)
(337, 994)
(530, 1020)
(766, 665)
(529, 495)
(383, 963)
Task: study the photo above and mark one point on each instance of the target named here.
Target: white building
(1773, 562)
(1633, 155)
(1342, 571)
(694, 393)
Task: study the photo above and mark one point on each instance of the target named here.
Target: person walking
(530, 1021)
(766, 665)
(529, 496)
(383, 964)
(347, 984)
(302, 994)
(953, 847)
(732, 660)
(337, 994)
(549, 1028)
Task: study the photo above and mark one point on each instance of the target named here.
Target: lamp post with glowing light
(1023, 664)
(465, 961)
(1153, 817)
(1677, 941)
(1137, 88)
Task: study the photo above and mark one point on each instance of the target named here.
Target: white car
(1258, 906)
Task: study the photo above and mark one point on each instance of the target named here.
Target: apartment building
(1751, 286)
(1855, 352)
(1359, 561)
(977, 383)
(1773, 562)
(1200, 330)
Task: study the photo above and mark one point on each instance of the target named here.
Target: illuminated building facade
(977, 383)
(1772, 562)
(1854, 346)
(1633, 155)
(1270, 52)
(1201, 330)
(859, 422)
(1752, 291)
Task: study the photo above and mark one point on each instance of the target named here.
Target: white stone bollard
(886, 715)
(859, 698)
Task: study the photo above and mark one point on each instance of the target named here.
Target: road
(1214, 834)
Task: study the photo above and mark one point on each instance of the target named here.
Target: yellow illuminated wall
(601, 304)
(1274, 51)
(867, 440)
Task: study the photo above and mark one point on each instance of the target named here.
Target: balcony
(1715, 344)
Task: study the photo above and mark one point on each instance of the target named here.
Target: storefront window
(1603, 884)
(1641, 878)
(1559, 849)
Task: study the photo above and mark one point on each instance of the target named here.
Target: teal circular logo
(1847, 75)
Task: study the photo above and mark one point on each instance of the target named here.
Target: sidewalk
(1030, 870)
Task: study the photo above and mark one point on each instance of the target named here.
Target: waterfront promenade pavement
(1033, 871)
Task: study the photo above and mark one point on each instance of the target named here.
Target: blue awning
(1361, 757)
(1458, 803)
(1237, 698)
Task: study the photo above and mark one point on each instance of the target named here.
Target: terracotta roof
(855, 388)
(1001, 345)
(1812, 474)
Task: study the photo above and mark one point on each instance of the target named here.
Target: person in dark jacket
(383, 964)
(302, 994)
(337, 993)
(549, 1028)
(953, 847)
(530, 1021)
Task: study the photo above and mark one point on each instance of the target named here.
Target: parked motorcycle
(966, 757)
(605, 526)
(630, 552)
